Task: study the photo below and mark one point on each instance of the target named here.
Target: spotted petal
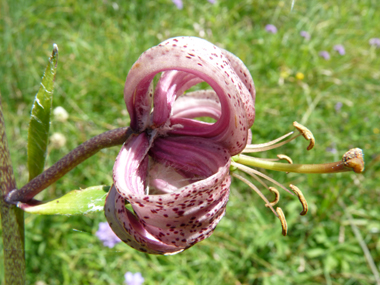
(128, 228)
(185, 62)
(185, 216)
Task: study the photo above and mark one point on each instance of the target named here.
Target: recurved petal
(171, 84)
(131, 165)
(202, 103)
(245, 77)
(192, 156)
(190, 213)
(129, 229)
(192, 218)
(202, 60)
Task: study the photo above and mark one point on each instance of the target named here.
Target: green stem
(12, 218)
(332, 167)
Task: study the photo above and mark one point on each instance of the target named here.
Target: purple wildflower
(178, 3)
(325, 55)
(340, 49)
(106, 235)
(338, 106)
(375, 42)
(305, 35)
(271, 28)
(212, 1)
(133, 279)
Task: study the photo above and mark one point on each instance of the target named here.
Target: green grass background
(98, 43)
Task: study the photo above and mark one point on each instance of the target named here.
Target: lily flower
(175, 170)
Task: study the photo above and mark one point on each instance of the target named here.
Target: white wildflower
(60, 114)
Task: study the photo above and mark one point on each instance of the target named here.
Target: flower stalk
(67, 163)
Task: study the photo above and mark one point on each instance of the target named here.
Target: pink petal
(128, 228)
(164, 179)
(186, 217)
(192, 156)
(245, 77)
(203, 103)
(131, 165)
(171, 84)
(182, 218)
(203, 60)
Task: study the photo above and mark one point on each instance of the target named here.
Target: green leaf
(38, 133)
(76, 202)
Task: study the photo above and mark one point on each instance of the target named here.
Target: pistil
(351, 160)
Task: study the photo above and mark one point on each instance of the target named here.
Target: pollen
(307, 134)
(284, 225)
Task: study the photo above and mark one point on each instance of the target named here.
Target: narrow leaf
(39, 123)
(76, 202)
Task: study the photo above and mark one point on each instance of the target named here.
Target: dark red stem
(68, 162)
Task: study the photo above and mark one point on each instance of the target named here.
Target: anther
(281, 216)
(285, 157)
(307, 134)
(276, 197)
(302, 199)
(354, 159)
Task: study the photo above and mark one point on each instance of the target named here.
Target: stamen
(258, 179)
(307, 134)
(276, 197)
(252, 172)
(354, 159)
(271, 142)
(259, 147)
(285, 157)
(284, 225)
(255, 189)
(351, 160)
(301, 198)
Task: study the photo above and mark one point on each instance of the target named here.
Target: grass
(98, 43)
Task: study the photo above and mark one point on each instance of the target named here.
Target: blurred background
(300, 75)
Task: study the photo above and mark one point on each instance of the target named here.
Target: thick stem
(12, 218)
(68, 162)
(332, 167)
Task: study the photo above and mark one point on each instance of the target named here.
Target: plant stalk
(12, 218)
